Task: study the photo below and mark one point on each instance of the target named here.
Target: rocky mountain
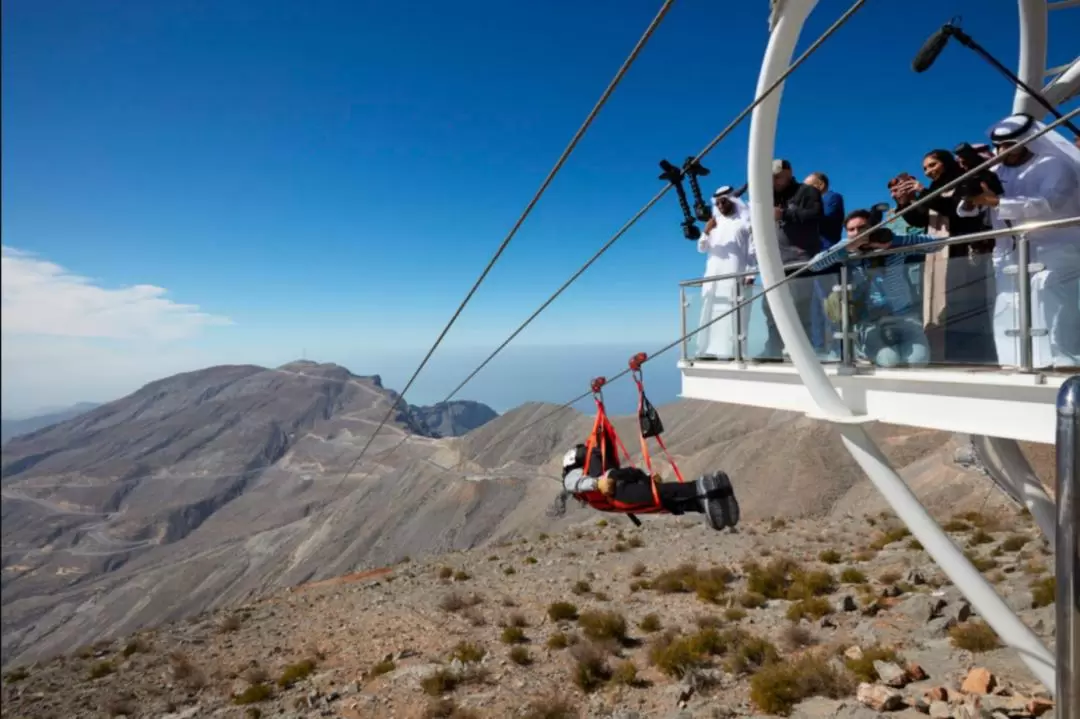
(213, 488)
(14, 427)
(454, 418)
(845, 618)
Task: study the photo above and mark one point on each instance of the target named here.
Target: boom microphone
(930, 50)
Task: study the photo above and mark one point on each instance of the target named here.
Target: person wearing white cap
(1041, 182)
(728, 248)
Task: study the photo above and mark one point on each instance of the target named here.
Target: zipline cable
(525, 213)
(656, 198)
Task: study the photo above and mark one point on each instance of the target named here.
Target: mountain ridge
(209, 488)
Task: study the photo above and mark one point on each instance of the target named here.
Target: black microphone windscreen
(930, 50)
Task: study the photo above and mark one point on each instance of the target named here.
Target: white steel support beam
(1032, 65)
(789, 17)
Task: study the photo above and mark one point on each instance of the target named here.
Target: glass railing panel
(709, 301)
(1055, 307)
(817, 312)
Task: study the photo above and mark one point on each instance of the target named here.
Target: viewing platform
(952, 379)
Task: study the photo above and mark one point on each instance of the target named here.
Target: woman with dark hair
(957, 280)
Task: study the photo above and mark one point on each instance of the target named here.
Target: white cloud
(67, 339)
(42, 298)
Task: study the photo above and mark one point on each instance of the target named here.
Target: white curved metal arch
(1031, 67)
(786, 20)
(1065, 86)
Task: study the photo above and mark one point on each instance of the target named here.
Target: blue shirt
(832, 217)
(886, 287)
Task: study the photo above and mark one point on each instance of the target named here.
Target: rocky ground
(847, 618)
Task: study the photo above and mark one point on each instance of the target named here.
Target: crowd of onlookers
(955, 303)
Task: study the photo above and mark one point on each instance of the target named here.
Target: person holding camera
(882, 310)
(1040, 181)
(727, 244)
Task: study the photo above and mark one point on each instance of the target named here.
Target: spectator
(729, 249)
(884, 315)
(797, 210)
(832, 230)
(1041, 182)
(832, 208)
(956, 279)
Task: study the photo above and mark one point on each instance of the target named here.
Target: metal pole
(682, 320)
(739, 335)
(1023, 277)
(1067, 563)
(847, 352)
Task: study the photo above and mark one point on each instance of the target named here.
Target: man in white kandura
(729, 248)
(1042, 182)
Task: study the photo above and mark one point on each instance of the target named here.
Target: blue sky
(331, 176)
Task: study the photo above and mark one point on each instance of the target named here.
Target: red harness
(603, 435)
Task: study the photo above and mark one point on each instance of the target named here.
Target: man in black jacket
(797, 208)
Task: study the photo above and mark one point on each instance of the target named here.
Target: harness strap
(635, 371)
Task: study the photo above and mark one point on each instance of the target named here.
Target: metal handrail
(1067, 563)
(910, 249)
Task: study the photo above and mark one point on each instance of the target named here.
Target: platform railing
(954, 323)
(1067, 561)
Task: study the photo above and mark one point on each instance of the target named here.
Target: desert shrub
(777, 523)
(581, 587)
(956, 525)
(452, 602)
(894, 534)
(814, 608)
(676, 655)
(559, 611)
(914, 544)
(747, 653)
(708, 584)
(474, 616)
(101, 669)
(638, 569)
(830, 556)
(445, 572)
(796, 636)
(591, 670)
(17, 674)
(461, 576)
(636, 542)
(602, 523)
(603, 626)
(980, 536)
(185, 672)
(974, 636)
(983, 564)
(752, 600)
(135, 646)
(625, 674)
(650, 623)
(513, 635)
(889, 577)
(296, 672)
(229, 624)
(1044, 591)
(466, 652)
(520, 655)
(253, 694)
(863, 667)
(734, 614)
(851, 575)
(508, 571)
(777, 688)
(439, 683)
(1014, 542)
(531, 560)
(558, 640)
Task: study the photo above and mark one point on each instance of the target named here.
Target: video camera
(969, 157)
